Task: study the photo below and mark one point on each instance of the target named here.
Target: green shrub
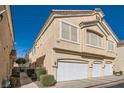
(16, 72)
(114, 72)
(121, 72)
(118, 73)
(47, 80)
(40, 71)
(30, 72)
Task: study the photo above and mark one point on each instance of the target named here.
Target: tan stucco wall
(51, 39)
(120, 59)
(82, 47)
(6, 44)
(47, 42)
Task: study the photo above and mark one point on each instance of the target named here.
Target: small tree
(20, 61)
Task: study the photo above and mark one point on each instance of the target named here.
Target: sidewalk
(24, 79)
(31, 85)
(92, 83)
(85, 83)
(26, 82)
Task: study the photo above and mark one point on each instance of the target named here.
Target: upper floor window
(34, 50)
(110, 45)
(94, 39)
(69, 32)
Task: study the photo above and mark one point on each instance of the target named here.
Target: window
(94, 39)
(69, 32)
(34, 50)
(74, 33)
(65, 31)
(110, 46)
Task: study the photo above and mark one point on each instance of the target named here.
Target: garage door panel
(108, 70)
(96, 70)
(71, 71)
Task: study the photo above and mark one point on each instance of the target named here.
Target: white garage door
(96, 70)
(108, 70)
(71, 71)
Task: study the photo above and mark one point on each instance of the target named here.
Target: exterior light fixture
(1, 14)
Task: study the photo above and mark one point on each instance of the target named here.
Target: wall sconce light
(55, 65)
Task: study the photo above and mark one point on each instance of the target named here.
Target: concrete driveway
(90, 83)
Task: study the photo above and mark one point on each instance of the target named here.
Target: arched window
(94, 39)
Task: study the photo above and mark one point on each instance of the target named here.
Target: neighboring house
(7, 52)
(75, 44)
(120, 57)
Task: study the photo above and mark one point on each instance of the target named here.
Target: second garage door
(96, 70)
(71, 71)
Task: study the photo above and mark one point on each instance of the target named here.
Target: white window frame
(108, 46)
(100, 47)
(78, 32)
(33, 51)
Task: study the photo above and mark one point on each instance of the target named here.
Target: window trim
(94, 46)
(90, 45)
(108, 46)
(63, 39)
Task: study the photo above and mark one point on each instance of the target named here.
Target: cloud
(21, 51)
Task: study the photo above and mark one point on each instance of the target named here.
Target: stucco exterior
(50, 44)
(120, 57)
(7, 52)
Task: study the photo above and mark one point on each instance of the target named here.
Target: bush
(16, 72)
(30, 72)
(47, 80)
(114, 72)
(118, 73)
(16, 69)
(121, 72)
(40, 71)
(34, 77)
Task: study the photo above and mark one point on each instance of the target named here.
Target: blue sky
(28, 20)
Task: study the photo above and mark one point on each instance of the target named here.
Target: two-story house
(7, 52)
(75, 44)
